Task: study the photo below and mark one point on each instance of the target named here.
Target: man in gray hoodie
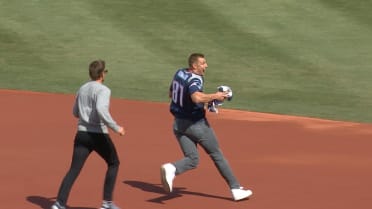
(91, 107)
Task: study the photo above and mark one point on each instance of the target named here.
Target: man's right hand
(121, 131)
(221, 96)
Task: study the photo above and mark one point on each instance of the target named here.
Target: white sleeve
(103, 104)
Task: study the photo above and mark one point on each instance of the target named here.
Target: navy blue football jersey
(183, 85)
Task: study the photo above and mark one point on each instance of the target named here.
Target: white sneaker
(167, 173)
(239, 194)
(109, 205)
(57, 205)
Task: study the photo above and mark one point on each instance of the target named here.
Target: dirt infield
(288, 162)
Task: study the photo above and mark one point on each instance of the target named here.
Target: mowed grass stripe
(300, 58)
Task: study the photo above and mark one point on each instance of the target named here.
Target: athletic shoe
(167, 173)
(109, 205)
(57, 205)
(241, 193)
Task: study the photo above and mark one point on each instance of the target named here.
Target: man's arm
(75, 109)
(103, 103)
(200, 97)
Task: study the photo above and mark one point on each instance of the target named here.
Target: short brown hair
(96, 69)
(194, 57)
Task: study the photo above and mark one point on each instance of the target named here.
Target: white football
(224, 88)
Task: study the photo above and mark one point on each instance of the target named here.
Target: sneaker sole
(244, 197)
(164, 181)
(56, 207)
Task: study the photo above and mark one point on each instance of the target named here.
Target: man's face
(103, 75)
(200, 66)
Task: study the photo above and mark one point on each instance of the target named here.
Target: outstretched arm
(200, 97)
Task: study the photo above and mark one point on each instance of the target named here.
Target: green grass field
(310, 58)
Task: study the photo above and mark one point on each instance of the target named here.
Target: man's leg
(208, 141)
(106, 149)
(80, 154)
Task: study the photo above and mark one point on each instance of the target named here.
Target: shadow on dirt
(177, 191)
(47, 202)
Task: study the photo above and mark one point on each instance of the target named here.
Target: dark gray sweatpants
(189, 135)
(84, 144)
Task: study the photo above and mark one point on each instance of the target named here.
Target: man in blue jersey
(91, 107)
(192, 128)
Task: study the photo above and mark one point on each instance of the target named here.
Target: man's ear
(193, 65)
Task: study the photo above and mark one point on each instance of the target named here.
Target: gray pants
(189, 135)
